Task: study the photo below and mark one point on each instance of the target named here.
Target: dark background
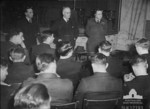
(48, 11)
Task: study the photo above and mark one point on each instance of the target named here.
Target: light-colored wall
(122, 40)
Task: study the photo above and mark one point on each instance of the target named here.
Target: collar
(66, 20)
(101, 73)
(4, 84)
(48, 75)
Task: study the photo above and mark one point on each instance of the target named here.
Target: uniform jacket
(18, 72)
(96, 33)
(61, 90)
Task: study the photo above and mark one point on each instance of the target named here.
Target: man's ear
(23, 58)
(99, 50)
(10, 58)
(107, 65)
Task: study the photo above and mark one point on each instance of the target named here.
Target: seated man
(45, 46)
(7, 90)
(141, 82)
(61, 90)
(15, 39)
(115, 64)
(18, 71)
(101, 81)
(142, 47)
(66, 66)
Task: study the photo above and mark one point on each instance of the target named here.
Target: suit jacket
(41, 48)
(61, 90)
(68, 68)
(115, 66)
(96, 33)
(66, 31)
(99, 82)
(18, 72)
(29, 30)
(7, 93)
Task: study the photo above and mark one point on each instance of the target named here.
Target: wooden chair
(101, 100)
(72, 105)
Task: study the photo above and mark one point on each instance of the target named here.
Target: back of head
(100, 59)
(13, 32)
(45, 34)
(64, 49)
(104, 46)
(17, 54)
(139, 65)
(34, 96)
(99, 63)
(44, 60)
(143, 43)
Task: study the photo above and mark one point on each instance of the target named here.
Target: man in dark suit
(29, 27)
(142, 47)
(46, 41)
(61, 90)
(67, 67)
(18, 71)
(115, 67)
(66, 28)
(141, 82)
(101, 81)
(96, 29)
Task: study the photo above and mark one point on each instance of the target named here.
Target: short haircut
(14, 31)
(144, 43)
(105, 46)
(98, 10)
(45, 60)
(17, 53)
(28, 7)
(3, 63)
(64, 48)
(137, 60)
(31, 96)
(99, 58)
(64, 7)
(45, 34)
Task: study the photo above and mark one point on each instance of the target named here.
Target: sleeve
(79, 95)
(87, 28)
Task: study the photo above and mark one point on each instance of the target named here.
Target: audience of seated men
(45, 45)
(67, 67)
(61, 90)
(141, 81)
(101, 81)
(7, 90)
(15, 39)
(18, 71)
(34, 96)
(115, 64)
(142, 47)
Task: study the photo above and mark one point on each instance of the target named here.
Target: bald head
(66, 12)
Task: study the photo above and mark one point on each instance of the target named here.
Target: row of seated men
(65, 78)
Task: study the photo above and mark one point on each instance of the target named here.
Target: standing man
(66, 28)
(96, 29)
(29, 27)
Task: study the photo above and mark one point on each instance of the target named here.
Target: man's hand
(23, 45)
(128, 77)
(59, 40)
